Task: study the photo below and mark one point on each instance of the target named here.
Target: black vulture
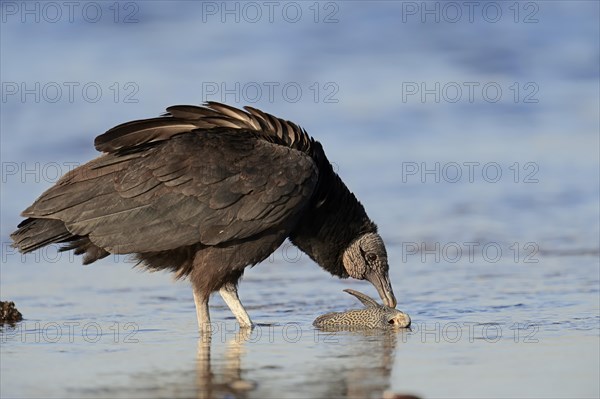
(205, 191)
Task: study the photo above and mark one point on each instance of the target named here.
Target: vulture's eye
(371, 257)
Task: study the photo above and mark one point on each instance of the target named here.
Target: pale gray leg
(202, 312)
(230, 296)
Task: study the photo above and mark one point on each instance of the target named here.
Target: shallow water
(500, 276)
(522, 331)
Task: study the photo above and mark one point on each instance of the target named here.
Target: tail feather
(33, 234)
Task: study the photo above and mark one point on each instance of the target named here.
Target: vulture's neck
(332, 221)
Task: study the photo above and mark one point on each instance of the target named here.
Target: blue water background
(355, 64)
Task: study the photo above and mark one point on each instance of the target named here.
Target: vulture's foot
(230, 296)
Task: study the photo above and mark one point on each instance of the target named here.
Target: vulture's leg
(230, 296)
(202, 312)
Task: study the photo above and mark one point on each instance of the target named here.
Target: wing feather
(205, 187)
(135, 133)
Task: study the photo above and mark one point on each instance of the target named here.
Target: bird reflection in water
(345, 364)
(342, 364)
(228, 381)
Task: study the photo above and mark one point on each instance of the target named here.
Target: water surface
(500, 275)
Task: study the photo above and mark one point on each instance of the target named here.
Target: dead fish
(373, 315)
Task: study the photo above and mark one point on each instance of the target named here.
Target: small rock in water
(9, 313)
(372, 316)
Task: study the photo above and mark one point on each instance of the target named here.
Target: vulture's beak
(384, 287)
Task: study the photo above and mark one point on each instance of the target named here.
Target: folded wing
(206, 186)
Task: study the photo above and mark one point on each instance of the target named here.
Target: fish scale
(372, 316)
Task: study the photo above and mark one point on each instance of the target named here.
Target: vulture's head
(366, 259)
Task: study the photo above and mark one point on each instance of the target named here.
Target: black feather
(203, 191)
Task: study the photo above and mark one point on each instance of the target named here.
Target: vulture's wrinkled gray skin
(372, 316)
(204, 192)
